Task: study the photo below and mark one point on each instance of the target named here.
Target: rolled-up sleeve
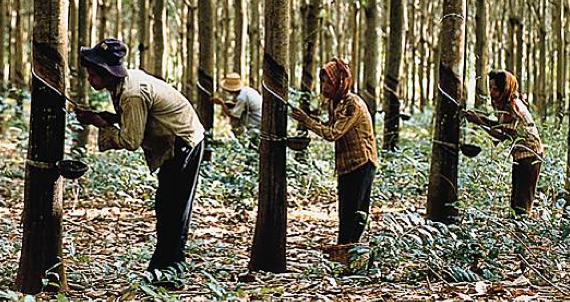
(344, 118)
(134, 113)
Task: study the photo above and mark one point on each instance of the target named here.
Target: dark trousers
(177, 181)
(524, 181)
(354, 197)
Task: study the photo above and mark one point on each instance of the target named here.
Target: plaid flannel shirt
(350, 127)
(527, 142)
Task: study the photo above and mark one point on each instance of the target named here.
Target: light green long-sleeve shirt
(152, 115)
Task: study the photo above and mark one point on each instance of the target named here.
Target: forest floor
(109, 232)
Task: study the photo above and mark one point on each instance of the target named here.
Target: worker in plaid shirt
(350, 128)
(514, 124)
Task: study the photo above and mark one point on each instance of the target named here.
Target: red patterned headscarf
(339, 73)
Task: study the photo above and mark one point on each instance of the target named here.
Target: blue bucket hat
(107, 54)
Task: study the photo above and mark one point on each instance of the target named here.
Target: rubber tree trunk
(310, 35)
(442, 187)
(371, 53)
(144, 35)
(3, 31)
(268, 250)
(254, 44)
(239, 53)
(42, 254)
(561, 58)
(159, 35)
(481, 53)
(393, 63)
(205, 84)
(292, 43)
(84, 38)
(190, 38)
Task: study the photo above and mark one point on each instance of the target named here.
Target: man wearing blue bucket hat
(159, 119)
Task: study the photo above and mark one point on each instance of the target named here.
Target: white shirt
(248, 100)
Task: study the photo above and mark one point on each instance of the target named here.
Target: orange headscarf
(339, 73)
(510, 91)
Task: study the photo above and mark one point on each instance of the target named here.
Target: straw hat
(232, 82)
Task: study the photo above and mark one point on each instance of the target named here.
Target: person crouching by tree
(244, 110)
(159, 119)
(356, 158)
(514, 123)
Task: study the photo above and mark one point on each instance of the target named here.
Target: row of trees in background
(418, 51)
(163, 39)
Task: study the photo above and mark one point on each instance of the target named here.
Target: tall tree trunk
(3, 27)
(561, 58)
(73, 44)
(103, 19)
(340, 13)
(144, 35)
(411, 39)
(442, 187)
(18, 80)
(84, 38)
(424, 67)
(269, 241)
(292, 42)
(255, 44)
(310, 35)
(393, 63)
(371, 79)
(205, 84)
(118, 33)
(481, 54)
(42, 253)
(355, 9)
(190, 38)
(240, 21)
(543, 94)
(159, 41)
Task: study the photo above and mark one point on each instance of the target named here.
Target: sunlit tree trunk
(481, 54)
(371, 79)
(292, 42)
(411, 42)
(393, 63)
(255, 44)
(542, 87)
(269, 241)
(561, 57)
(355, 26)
(18, 79)
(84, 38)
(144, 35)
(224, 52)
(424, 66)
(102, 29)
(205, 84)
(190, 47)
(3, 31)
(240, 22)
(42, 253)
(310, 38)
(118, 33)
(74, 44)
(442, 187)
(159, 38)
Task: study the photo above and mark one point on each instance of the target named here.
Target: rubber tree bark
(205, 84)
(481, 54)
(42, 254)
(268, 250)
(393, 67)
(371, 54)
(442, 187)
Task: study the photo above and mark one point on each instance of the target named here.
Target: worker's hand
(217, 100)
(300, 116)
(473, 117)
(110, 118)
(89, 117)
